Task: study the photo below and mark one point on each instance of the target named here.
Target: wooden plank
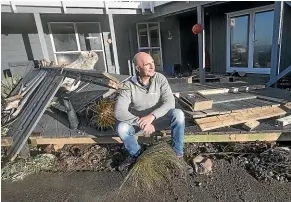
(242, 105)
(213, 91)
(6, 141)
(220, 121)
(249, 126)
(195, 115)
(188, 138)
(230, 97)
(198, 102)
(238, 137)
(85, 140)
(284, 121)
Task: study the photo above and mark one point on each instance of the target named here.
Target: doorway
(249, 40)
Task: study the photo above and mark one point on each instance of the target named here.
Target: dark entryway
(189, 42)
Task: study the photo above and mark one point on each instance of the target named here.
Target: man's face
(146, 65)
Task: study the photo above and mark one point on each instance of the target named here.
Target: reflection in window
(89, 36)
(263, 39)
(239, 38)
(64, 37)
(72, 41)
(154, 35)
(143, 35)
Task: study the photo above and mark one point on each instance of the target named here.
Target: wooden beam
(213, 91)
(276, 41)
(239, 137)
(114, 46)
(220, 121)
(6, 141)
(41, 36)
(197, 102)
(201, 44)
(284, 121)
(251, 125)
(188, 138)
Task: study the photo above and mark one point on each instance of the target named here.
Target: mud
(254, 171)
(228, 182)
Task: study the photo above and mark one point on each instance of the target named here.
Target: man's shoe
(125, 164)
(188, 169)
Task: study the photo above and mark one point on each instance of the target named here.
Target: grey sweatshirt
(137, 102)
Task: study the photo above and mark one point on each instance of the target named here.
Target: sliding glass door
(249, 40)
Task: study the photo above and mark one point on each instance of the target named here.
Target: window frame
(251, 27)
(149, 41)
(77, 40)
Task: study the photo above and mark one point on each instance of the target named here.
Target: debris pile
(274, 163)
(22, 168)
(90, 157)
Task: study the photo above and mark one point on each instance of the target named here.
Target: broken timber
(235, 118)
(251, 125)
(196, 101)
(270, 136)
(29, 116)
(284, 121)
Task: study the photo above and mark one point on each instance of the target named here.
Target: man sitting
(148, 100)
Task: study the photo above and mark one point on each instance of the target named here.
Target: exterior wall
(218, 61)
(170, 48)
(286, 39)
(126, 38)
(19, 40)
(218, 23)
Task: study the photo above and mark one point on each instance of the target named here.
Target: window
(149, 40)
(69, 39)
(249, 40)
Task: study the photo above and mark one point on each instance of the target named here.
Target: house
(251, 37)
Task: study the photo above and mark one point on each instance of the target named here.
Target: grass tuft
(154, 171)
(102, 113)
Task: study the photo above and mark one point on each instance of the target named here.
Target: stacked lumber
(195, 102)
(214, 122)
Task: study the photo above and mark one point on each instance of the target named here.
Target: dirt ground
(227, 183)
(241, 172)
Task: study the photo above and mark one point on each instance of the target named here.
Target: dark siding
(286, 39)
(170, 48)
(126, 39)
(218, 43)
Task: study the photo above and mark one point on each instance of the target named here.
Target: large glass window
(249, 40)
(70, 39)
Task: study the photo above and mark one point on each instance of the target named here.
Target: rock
(256, 160)
(199, 184)
(270, 174)
(202, 165)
